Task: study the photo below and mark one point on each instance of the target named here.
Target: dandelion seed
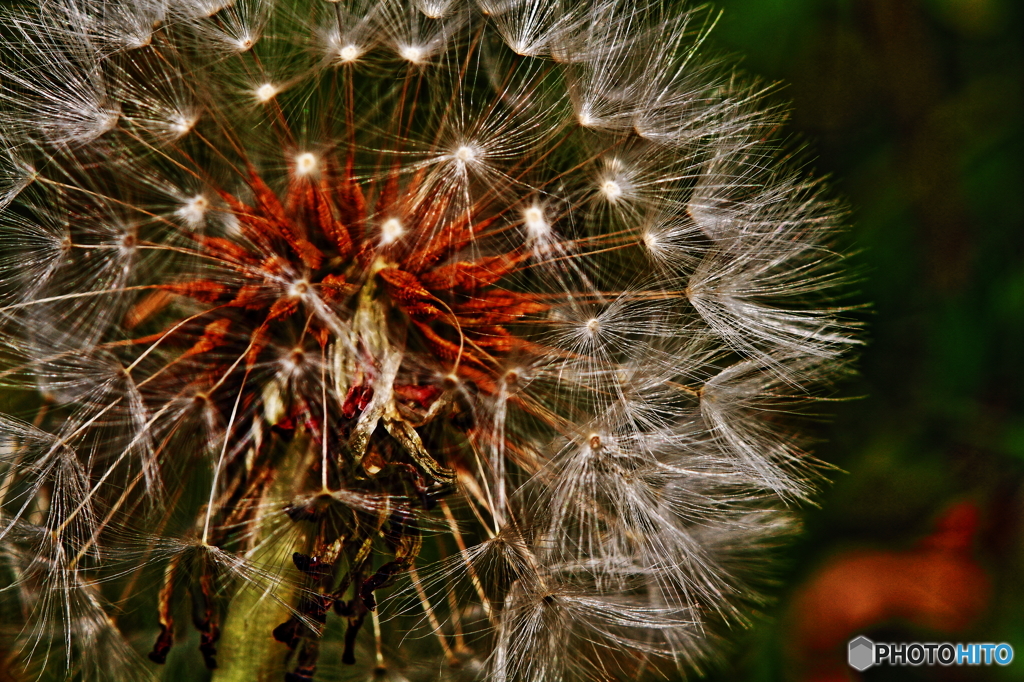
(181, 124)
(391, 230)
(611, 190)
(586, 118)
(306, 163)
(349, 54)
(465, 154)
(414, 54)
(435, 9)
(193, 211)
(652, 241)
(537, 226)
(265, 93)
(244, 43)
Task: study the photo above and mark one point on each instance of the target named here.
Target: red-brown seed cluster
(318, 240)
(323, 228)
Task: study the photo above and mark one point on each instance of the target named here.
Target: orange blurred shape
(938, 586)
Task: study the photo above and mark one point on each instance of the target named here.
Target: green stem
(247, 651)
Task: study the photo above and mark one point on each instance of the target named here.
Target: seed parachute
(395, 340)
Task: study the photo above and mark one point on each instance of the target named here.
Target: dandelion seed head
(341, 343)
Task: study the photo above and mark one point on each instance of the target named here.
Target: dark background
(915, 108)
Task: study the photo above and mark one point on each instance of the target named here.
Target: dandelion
(395, 339)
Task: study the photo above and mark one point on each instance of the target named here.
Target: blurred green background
(916, 110)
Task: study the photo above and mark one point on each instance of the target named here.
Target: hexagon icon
(862, 653)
